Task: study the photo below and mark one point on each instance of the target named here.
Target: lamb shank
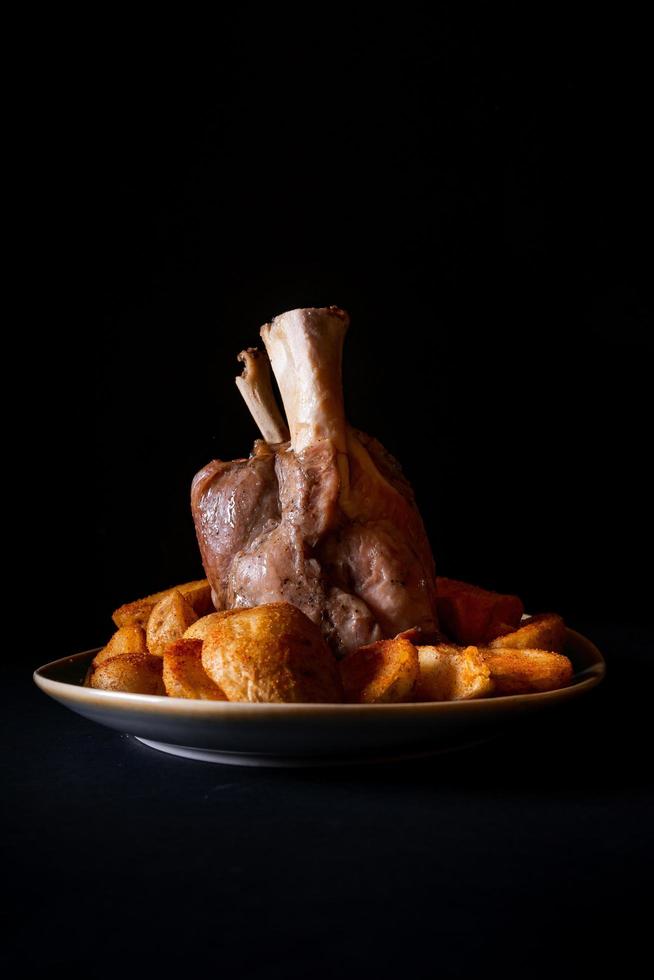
(320, 516)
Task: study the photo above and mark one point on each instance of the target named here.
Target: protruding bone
(305, 348)
(255, 385)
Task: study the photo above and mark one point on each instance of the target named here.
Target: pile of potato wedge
(175, 644)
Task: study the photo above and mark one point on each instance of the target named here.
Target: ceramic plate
(239, 733)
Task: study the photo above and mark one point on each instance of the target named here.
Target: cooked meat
(325, 521)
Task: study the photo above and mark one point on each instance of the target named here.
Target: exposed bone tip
(256, 388)
(252, 358)
(338, 311)
(249, 354)
(305, 348)
(313, 311)
(325, 318)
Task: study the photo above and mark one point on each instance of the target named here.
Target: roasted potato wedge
(470, 615)
(132, 673)
(451, 673)
(128, 639)
(197, 594)
(271, 653)
(198, 630)
(525, 671)
(183, 673)
(381, 672)
(543, 632)
(168, 621)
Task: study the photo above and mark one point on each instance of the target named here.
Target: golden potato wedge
(132, 673)
(543, 632)
(198, 630)
(197, 594)
(524, 671)
(271, 653)
(470, 614)
(381, 672)
(183, 673)
(128, 639)
(451, 673)
(168, 621)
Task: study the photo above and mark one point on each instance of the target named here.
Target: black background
(476, 193)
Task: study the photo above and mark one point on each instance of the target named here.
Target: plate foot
(295, 762)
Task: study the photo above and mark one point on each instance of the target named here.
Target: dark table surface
(530, 855)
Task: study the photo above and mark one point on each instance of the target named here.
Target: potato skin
(271, 653)
(471, 615)
(132, 673)
(197, 594)
(526, 671)
(128, 639)
(168, 621)
(380, 673)
(199, 630)
(183, 673)
(545, 631)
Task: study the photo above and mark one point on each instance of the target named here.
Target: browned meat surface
(326, 521)
(232, 504)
